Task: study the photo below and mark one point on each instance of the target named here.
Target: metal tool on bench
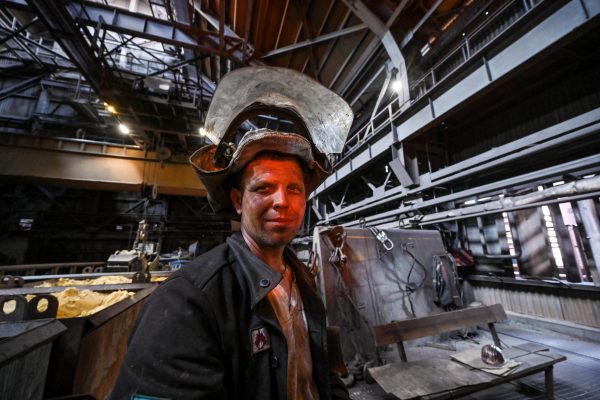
(493, 355)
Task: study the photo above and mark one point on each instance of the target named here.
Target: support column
(591, 223)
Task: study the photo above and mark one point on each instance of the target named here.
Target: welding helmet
(320, 118)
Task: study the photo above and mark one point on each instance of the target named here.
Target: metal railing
(473, 44)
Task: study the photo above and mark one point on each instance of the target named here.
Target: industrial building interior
(475, 148)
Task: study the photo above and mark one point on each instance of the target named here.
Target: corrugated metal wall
(578, 307)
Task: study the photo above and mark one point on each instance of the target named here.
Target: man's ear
(235, 195)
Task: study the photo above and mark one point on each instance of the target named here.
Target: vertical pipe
(591, 223)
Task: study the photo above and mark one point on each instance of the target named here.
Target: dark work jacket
(193, 336)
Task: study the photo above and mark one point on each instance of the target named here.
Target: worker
(244, 320)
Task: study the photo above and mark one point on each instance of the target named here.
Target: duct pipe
(579, 187)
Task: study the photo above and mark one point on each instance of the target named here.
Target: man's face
(271, 201)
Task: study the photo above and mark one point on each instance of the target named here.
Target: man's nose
(280, 198)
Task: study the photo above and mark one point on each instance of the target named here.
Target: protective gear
(250, 91)
(321, 121)
(252, 143)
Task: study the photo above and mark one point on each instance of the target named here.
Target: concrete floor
(576, 378)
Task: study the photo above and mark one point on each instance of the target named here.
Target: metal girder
(307, 28)
(17, 39)
(397, 193)
(319, 39)
(227, 31)
(20, 37)
(491, 72)
(60, 23)
(17, 32)
(84, 164)
(408, 37)
(579, 127)
(16, 88)
(130, 23)
(382, 31)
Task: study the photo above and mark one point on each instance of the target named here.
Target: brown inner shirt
(287, 303)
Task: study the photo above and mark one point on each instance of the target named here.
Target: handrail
(368, 130)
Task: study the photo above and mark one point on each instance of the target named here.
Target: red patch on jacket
(259, 337)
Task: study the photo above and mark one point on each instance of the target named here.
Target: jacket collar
(261, 278)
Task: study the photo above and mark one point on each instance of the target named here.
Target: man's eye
(296, 189)
(262, 189)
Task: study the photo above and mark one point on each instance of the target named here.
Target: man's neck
(272, 256)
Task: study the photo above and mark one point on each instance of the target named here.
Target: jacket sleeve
(174, 351)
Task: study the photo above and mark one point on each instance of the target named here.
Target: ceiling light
(397, 85)
(124, 129)
(425, 49)
(202, 131)
(469, 202)
(110, 109)
(164, 86)
(484, 198)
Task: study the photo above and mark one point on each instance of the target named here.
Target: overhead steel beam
(84, 165)
(408, 37)
(18, 31)
(227, 31)
(311, 42)
(398, 192)
(143, 26)
(514, 57)
(577, 128)
(20, 37)
(331, 44)
(60, 23)
(384, 34)
(362, 91)
(18, 87)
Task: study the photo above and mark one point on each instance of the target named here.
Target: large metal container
(87, 357)
(25, 348)
(365, 281)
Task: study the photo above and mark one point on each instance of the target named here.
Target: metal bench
(446, 378)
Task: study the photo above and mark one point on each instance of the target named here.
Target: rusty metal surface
(372, 290)
(87, 357)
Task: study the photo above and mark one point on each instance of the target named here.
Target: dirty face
(271, 200)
